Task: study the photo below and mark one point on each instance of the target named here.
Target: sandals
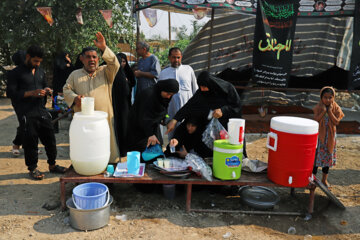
(36, 174)
(58, 169)
(327, 185)
(15, 152)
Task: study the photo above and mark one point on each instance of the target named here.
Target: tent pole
(210, 39)
(169, 28)
(137, 31)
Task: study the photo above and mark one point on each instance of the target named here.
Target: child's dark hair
(35, 51)
(327, 90)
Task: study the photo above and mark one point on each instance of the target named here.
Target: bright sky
(162, 26)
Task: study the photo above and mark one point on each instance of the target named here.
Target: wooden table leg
(188, 197)
(62, 195)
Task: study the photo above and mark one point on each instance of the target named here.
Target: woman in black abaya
(62, 69)
(149, 109)
(213, 94)
(121, 100)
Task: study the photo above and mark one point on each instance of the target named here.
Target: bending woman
(149, 109)
(213, 94)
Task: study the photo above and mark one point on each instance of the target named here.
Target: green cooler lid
(224, 144)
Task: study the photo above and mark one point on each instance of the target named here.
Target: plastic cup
(110, 169)
(166, 163)
(172, 149)
(133, 162)
(87, 105)
(160, 162)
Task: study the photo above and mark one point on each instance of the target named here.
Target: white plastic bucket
(236, 130)
(87, 105)
(89, 143)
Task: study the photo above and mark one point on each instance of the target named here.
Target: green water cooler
(227, 159)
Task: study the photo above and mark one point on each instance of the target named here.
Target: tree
(183, 40)
(22, 25)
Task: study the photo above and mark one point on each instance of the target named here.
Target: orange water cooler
(292, 145)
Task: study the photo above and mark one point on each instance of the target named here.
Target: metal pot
(89, 219)
(258, 197)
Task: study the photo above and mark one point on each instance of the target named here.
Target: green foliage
(163, 55)
(182, 43)
(22, 25)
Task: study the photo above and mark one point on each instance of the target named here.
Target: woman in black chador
(149, 109)
(62, 70)
(213, 94)
(121, 100)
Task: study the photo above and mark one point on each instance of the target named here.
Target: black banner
(354, 81)
(273, 42)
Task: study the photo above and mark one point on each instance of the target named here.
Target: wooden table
(152, 176)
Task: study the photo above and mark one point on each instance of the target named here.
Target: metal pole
(137, 32)
(169, 28)
(210, 39)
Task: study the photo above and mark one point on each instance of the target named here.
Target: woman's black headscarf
(62, 70)
(19, 57)
(216, 85)
(168, 85)
(127, 69)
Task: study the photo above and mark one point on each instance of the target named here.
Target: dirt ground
(152, 216)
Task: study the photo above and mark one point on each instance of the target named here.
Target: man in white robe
(95, 81)
(185, 75)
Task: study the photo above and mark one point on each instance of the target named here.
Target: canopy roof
(308, 8)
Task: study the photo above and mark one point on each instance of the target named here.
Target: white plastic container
(236, 130)
(87, 105)
(89, 143)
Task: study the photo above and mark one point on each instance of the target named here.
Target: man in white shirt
(185, 75)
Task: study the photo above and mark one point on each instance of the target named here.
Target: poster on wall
(273, 42)
(354, 81)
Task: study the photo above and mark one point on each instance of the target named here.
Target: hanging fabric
(107, 16)
(79, 18)
(150, 16)
(200, 13)
(46, 13)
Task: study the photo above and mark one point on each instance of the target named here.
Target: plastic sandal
(57, 169)
(15, 152)
(36, 175)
